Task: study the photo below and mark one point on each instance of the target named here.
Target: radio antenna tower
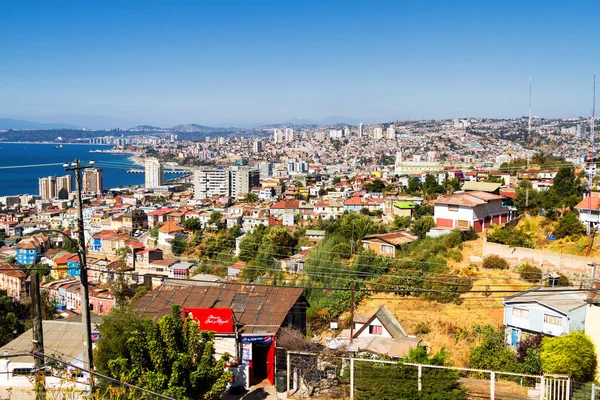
(529, 141)
(591, 163)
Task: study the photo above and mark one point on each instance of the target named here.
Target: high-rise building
(390, 133)
(154, 173)
(581, 130)
(64, 186)
(92, 180)
(378, 133)
(210, 182)
(53, 187)
(221, 140)
(265, 169)
(289, 134)
(47, 187)
(277, 136)
(360, 129)
(243, 179)
(257, 146)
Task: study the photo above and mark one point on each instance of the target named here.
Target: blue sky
(121, 63)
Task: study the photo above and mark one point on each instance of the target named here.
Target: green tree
(414, 186)
(568, 225)
(566, 184)
(400, 222)
(72, 246)
(452, 185)
(431, 187)
(495, 262)
(422, 226)
(12, 318)
(376, 186)
(178, 246)
(192, 224)
(491, 352)
(215, 219)
(573, 354)
(336, 180)
(170, 356)
(249, 198)
(390, 382)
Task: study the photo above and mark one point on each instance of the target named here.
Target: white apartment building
(390, 133)
(154, 173)
(209, 182)
(378, 133)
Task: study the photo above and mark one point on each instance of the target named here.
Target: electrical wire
(108, 378)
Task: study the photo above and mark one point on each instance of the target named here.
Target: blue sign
(95, 337)
(257, 339)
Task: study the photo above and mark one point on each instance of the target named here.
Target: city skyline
(239, 64)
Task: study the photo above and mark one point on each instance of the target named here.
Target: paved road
(255, 393)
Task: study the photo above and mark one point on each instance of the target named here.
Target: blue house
(552, 312)
(73, 266)
(28, 252)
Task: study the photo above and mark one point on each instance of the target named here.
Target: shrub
(569, 225)
(562, 280)
(572, 354)
(530, 273)
(422, 328)
(495, 262)
(455, 255)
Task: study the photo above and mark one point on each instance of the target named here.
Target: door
(514, 337)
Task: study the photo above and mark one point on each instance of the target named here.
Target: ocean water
(25, 179)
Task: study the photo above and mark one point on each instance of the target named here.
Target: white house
(589, 214)
(379, 334)
(477, 210)
(167, 232)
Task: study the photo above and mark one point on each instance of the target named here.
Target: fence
(314, 375)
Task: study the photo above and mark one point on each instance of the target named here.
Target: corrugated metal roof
(259, 308)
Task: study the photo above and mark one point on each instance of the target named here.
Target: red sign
(211, 319)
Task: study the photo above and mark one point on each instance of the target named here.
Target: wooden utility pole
(83, 277)
(38, 335)
(352, 312)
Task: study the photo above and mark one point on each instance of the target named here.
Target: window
(385, 249)
(375, 330)
(552, 320)
(452, 207)
(462, 224)
(520, 312)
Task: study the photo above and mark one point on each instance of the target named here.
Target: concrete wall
(570, 265)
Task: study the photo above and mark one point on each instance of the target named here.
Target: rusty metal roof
(261, 309)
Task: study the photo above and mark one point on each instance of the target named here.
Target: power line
(108, 378)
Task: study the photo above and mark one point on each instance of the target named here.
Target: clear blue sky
(242, 62)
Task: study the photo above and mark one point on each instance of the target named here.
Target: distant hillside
(9, 123)
(195, 128)
(146, 128)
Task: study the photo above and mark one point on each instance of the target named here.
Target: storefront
(244, 318)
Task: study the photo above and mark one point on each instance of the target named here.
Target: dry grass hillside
(443, 321)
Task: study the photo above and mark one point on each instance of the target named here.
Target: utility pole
(38, 336)
(77, 168)
(352, 312)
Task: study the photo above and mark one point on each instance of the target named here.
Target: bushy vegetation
(495, 262)
(171, 356)
(510, 236)
(391, 382)
(572, 354)
(569, 225)
(530, 273)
